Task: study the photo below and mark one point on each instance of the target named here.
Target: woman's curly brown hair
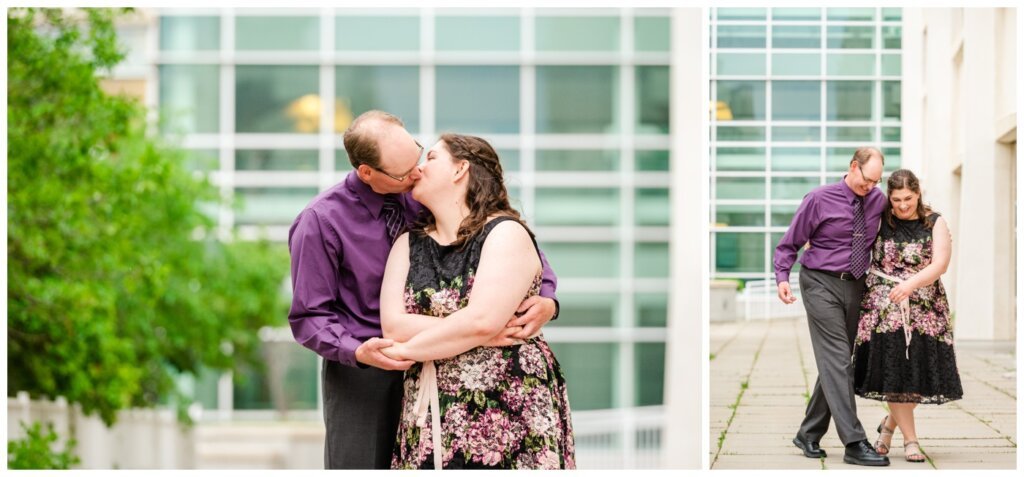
(486, 195)
(905, 179)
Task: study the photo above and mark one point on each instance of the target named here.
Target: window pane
(732, 215)
(651, 206)
(463, 33)
(751, 64)
(838, 158)
(740, 133)
(271, 205)
(893, 158)
(851, 14)
(796, 13)
(796, 100)
(651, 33)
(478, 99)
(189, 33)
(782, 214)
(509, 159)
(744, 99)
(775, 239)
(799, 64)
(277, 99)
(796, 133)
(739, 158)
(577, 33)
(892, 14)
(851, 133)
(844, 36)
(590, 373)
(891, 134)
(740, 188)
(739, 252)
(277, 160)
(849, 100)
(341, 162)
(793, 187)
(892, 65)
(565, 206)
(741, 36)
(369, 33)
(651, 260)
(202, 160)
(190, 98)
(806, 159)
(652, 99)
(892, 100)
(651, 160)
(650, 373)
(851, 65)
(796, 36)
(576, 99)
(741, 13)
(892, 37)
(583, 260)
(585, 309)
(395, 89)
(577, 160)
(290, 369)
(651, 309)
(277, 33)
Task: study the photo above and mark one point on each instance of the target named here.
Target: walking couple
(425, 293)
(877, 312)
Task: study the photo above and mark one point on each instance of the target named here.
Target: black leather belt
(844, 276)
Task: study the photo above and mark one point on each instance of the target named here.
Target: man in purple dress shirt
(339, 247)
(838, 222)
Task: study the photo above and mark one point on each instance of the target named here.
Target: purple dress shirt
(825, 219)
(339, 249)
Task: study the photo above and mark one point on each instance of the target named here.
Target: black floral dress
(905, 353)
(504, 408)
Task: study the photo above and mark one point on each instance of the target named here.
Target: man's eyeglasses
(403, 177)
(865, 178)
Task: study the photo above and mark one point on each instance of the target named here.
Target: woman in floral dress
(450, 286)
(904, 347)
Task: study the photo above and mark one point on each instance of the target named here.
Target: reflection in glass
(745, 99)
(837, 159)
(651, 260)
(891, 98)
(892, 37)
(277, 99)
(565, 206)
(848, 37)
(591, 374)
(585, 309)
(741, 36)
(739, 252)
(739, 158)
(796, 36)
(804, 14)
(651, 33)
(189, 33)
(851, 64)
(740, 133)
(190, 98)
(577, 99)
(782, 214)
(749, 64)
(650, 374)
(892, 65)
(558, 33)
(651, 207)
(271, 205)
(277, 160)
(796, 64)
(395, 89)
(477, 33)
(652, 99)
(740, 188)
(796, 133)
(373, 33)
(851, 133)
(851, 14)
(277, 33)
(478, 99)
(804, 159)
(577, 259)
(651, 309)
(739, 215)
(796, 100)
(741, 13)
(577, 160)
(651, 160)
(793, 187)
(849, 100)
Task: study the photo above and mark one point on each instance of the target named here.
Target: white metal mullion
(428, 78)
(713, 125)
(225, 387)
(769, 120)
(327, 113)
(627, 256)
(528, 116)
(822, 68)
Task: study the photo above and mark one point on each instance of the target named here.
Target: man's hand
(506, 337)
(785, 294)
(533, 313)
(370, 353)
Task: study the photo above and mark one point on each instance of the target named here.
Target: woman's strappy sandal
(912, 452)
(882, 446)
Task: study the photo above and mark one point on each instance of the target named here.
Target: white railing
(140, 439)
(627, 438)
(759, 300)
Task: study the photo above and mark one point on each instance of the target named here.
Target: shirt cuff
(347, 352)
(781, 277)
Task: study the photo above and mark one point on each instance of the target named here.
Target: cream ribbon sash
(904, 308)
(427, 398)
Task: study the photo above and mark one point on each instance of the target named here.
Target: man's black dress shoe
(811, 449)
(861, 453)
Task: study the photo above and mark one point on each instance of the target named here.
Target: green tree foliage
(35, 451)
(116, 282)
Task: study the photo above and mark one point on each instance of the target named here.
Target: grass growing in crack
(711, 357)
(736, 404)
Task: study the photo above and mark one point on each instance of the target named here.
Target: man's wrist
(557, 309)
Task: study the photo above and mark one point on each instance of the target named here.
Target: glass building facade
(794, 91)
(576, 102)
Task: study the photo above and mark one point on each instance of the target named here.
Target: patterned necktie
(858, 255)
(393, 217)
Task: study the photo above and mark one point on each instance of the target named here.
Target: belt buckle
(846, 276)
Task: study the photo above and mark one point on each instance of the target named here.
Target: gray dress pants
(362, 408)
(833, 307)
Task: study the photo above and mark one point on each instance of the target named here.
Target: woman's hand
(900, 292)
(395, 351)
